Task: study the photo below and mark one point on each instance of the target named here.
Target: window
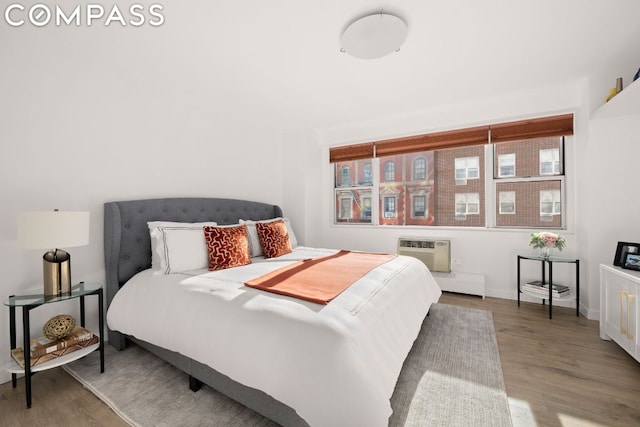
(550, 202)
(345, 208)
(389, 171)
(507, 202)
(352, 191)
(366, 207)
(550, 162)
(346, 176)
(419, 206)
(419, 169)
(506, 165)
(367, 177)
(467, 168)
(439, 179)
(467, 203)
(390, 207)
(528, 181)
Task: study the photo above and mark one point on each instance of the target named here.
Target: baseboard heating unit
(461, 282)
(436, 255)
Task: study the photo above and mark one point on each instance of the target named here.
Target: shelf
(569, 297)
(37, 297)
(13, 367)
(625, 103)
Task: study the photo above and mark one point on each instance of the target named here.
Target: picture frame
(622, 250)
(632, 262)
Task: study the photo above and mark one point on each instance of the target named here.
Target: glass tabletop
(38, 298)
(549, 258)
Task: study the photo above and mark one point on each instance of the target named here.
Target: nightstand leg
(26, 349)
(101, 328)
(550, 288)
(82, 311)
(12, 339)
(578, 288)
(518, 278)
(543, 278)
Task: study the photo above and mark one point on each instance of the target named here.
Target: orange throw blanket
(321, 279)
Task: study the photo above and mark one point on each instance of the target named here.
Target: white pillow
(254, 242)
(178, 246)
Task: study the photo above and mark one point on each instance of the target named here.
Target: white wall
(77, 133)
(301, 155)
(611, 208)
(492, 252)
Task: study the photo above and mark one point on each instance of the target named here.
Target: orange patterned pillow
(227, 246)
(274, 238)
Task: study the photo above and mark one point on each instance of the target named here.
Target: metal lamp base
(57, 273)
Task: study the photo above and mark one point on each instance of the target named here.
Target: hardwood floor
(560, 369)
(559, 372)
(57, 400)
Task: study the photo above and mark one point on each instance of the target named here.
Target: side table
(34, 300)
(550, 260)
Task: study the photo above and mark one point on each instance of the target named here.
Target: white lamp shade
(374, 36)
(53, 229)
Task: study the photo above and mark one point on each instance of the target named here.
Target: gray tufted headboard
(127, 245)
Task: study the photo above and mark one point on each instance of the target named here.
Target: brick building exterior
(451, 189)
(534, 203)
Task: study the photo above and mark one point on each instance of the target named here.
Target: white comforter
(335, 364)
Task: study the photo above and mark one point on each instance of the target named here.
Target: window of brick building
(420, 169)
(346, 176)
(467, 168)
(367, 176)
(366, 207)
(550, 161)
(507, 165)
(389, 171)
(390, 207)
(507, 201)
(550, 202)
(467, 203)
(345, 207)
(419, 206)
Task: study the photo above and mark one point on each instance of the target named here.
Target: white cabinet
(619, 306)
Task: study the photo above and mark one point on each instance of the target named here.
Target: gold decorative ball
(59, 326)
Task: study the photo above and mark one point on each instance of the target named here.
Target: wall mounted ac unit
(436, 254)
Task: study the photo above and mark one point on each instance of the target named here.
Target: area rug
(451, 377)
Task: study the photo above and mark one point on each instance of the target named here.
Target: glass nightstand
(28, 302)
(550, 261)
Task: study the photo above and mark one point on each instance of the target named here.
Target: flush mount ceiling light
(374, 36)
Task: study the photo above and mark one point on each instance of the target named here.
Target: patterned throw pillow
(227, 246)
(274, 238)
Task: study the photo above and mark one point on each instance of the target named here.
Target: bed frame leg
(194, 383)
(118, 340)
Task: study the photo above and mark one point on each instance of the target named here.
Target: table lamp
(54, 229)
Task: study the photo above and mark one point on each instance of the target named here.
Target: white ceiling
(280, 60)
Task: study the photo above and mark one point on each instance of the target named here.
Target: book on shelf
(543, 288)
(43, 345)
(543, 293)
(18, 354)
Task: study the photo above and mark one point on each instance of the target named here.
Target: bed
(294, 361)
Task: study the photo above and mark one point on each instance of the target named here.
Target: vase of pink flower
(545, 241)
